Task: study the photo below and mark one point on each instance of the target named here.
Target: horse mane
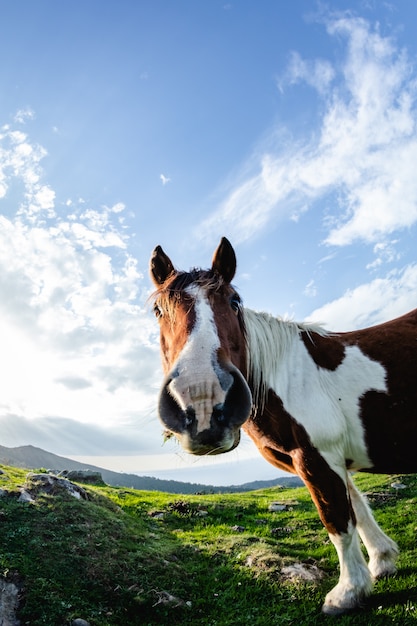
(269, 339)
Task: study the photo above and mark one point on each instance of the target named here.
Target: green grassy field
(127, 557)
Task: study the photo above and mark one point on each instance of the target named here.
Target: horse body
(355, 393)
(315, 404)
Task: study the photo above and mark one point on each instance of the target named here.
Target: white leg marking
(382, 550)
(355, 580)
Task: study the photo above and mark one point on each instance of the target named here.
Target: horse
(318, 404)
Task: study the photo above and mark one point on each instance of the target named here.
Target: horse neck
(270, 341)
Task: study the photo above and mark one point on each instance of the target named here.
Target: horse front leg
(330, 494)
(382, 550)
(355, 582)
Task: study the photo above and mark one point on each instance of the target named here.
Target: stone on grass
(52, 485)
(9, 603)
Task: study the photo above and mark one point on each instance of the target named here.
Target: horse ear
(160, 266)
(224, 260)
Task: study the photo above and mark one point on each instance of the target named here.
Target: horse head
(204, 399)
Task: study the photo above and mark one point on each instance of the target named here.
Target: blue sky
(288, 127)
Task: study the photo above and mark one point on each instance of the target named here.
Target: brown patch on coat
(390, 419)
(230, 328)
(325, 351)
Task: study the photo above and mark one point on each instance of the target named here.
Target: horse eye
(235, 302)
(157, 310)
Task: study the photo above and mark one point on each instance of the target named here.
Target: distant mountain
(31, 457)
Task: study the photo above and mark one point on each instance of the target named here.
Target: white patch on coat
(325, 402)
(197, 384)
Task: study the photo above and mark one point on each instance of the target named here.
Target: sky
(290, 128)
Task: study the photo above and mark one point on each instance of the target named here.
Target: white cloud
(372, 303)
(20, 161)
(164, 179)
(310, 289)
(69, 437)
(76, 340)
(385, 252)
(24, 115)
(317, 73)
(117, 208)
(362, 155)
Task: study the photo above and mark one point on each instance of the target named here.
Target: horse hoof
(334, 610)
(329, 609)
(385, 572)
(338, 603)
(383, 567)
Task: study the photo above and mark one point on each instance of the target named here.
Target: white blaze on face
(197, 384)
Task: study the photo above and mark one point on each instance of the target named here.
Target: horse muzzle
(203, 420)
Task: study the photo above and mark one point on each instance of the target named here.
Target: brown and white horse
(316, 404)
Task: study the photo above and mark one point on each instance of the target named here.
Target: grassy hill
(32, 457)
(146, 558)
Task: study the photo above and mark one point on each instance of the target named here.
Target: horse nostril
(218, 413)
(189, 416)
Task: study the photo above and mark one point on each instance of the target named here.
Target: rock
(25, 496)
(52, 485)
(82, 476)
(9, 603)
(78, 621)
(277, 506)
(398, 486)
(157, 515)
(238, 529)
(164, 597)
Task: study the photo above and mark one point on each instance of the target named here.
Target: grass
(133, 557)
